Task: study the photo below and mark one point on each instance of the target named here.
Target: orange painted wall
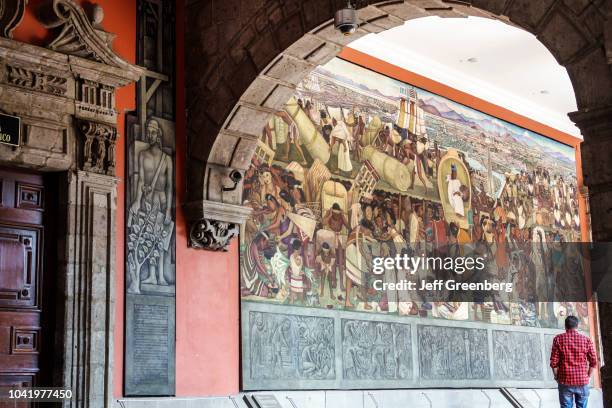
(207, 308)
(120, 18)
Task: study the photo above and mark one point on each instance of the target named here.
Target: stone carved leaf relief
(291, 347)
(146, 241)
(450, 353)
(38, 81)
(376, 350)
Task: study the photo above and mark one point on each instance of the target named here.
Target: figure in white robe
(455, 197)
(340, 137)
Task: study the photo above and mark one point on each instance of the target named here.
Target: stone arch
(231, 92)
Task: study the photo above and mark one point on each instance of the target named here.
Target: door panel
(19, 265)
(21, 240)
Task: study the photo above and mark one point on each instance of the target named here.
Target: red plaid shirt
(573, 354)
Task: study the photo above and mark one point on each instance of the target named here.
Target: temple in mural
(359, 166)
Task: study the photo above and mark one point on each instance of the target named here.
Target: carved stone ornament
(212, 234)
(81, 34)
(213, 224)
(36, 80)
(99, 147)
(11, 13)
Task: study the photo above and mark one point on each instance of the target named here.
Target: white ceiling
(486, 58)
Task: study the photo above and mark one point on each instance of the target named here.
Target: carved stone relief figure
(518, 356)
(291, 347)
(98, 147)
(150, 222)
(449, 353)
(376, 350)
(150, 235)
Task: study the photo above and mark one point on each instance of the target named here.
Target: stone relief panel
(98, 147)
(291, 347)
(517, 355)
(452, 353)
(150, 203)
(376, 350)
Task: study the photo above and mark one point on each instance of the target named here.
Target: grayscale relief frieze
(291, 347)
(451, 353)
(517, 355)
(376, 350)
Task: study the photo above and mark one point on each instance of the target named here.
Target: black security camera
(235, 176)
(346, 20)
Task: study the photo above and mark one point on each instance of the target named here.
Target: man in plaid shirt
(573, 360)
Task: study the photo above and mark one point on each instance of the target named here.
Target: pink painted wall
(207, 301)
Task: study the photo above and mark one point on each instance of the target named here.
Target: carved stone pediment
(74, 79)
(82, 36)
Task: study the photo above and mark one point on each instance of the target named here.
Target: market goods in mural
(358, 165)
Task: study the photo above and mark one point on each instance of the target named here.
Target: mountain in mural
(493, 126)
(524, 139)
(439, 108)
(430, 109)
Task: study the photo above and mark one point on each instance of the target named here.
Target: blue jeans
(569, 393)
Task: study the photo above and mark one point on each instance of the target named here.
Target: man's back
(573, 354)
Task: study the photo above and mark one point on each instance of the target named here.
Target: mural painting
(359, 165)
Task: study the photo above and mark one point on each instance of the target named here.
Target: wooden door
(21, 248)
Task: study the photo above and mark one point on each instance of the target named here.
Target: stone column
(596, 128)
(87, 283)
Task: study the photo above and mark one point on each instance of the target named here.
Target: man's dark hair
(296, 244)
(571, 322)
